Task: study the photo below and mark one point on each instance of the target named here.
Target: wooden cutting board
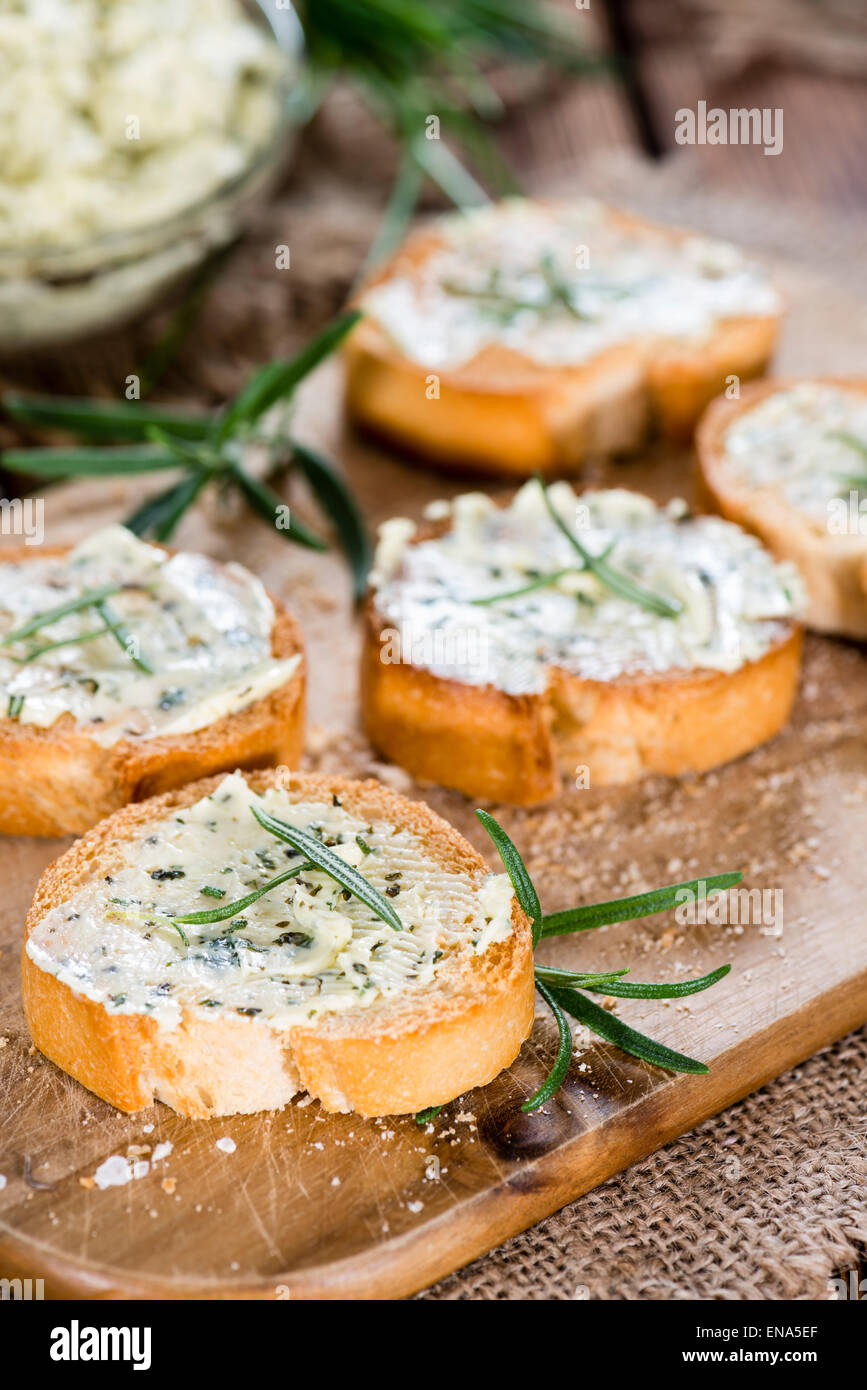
(309, 1205)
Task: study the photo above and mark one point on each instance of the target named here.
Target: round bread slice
(774, 462)
(509, 401)
(61, 779)
(309, 990)
(518, 700)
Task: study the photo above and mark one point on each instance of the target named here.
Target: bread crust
(397, 1056)
(834, 568)
(505, 414)
(59, 781)
(527, 749)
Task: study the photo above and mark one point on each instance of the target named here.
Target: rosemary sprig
(53, 646)
(543, 581)
(852, 480)
(339, 505)
(638, 989)
(91, 598)
(515, 867)
(627, 1039)
(561, 988)
(423, 1116)
(852, 440)
(227, 910)
(594, 915)
(205, 448)
(160, 514)
(409, 60)
(87, 599)
(267, 503)
(331, 864)
(112, 420)
(558, 289)
(557, 1075)
(583, 979)
(122, 636)
(496, 300)
(616, 580)
(493, 299)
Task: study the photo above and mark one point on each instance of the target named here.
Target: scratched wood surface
(310, 1205)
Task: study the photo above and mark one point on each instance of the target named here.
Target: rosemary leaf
(338, 503)
(227, 910)
(159, 515)
(269, 505)
(517, 871)
(558, 289)
(577, 979)
(102, 419)
(447, 172)
(53, 646)
(84, 462)
(277, 379)
(331, 863)
(634, 989)
(123, 637)
(543, 582)
(616, 580)
(557, 1075)
(403, 198)
(88, 599)
(176, 503)
(424, 1116)
(608, 1026)
(852, 440)
(594, 915)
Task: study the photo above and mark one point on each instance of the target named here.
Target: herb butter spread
(438, 598)
(202, 630)
(306, 948)
(559, 284)
(804, 442)
(119, 115)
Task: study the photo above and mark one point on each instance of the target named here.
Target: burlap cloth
(768, 1199)
(765, 1201)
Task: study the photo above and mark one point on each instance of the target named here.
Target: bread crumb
(114, 1172)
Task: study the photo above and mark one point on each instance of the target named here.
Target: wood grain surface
(310, 1205)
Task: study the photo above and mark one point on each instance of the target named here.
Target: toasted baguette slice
(59, 780)
(475, 728)
(800, 509)
(456, 1017)
(507, 408)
